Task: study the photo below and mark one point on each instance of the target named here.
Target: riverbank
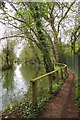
(15, 83)
(62, 105)
(25, 108)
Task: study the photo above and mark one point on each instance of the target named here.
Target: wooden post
(61, 73)
(50, 84)
(34, 95)
(66, 69)
(57, 76)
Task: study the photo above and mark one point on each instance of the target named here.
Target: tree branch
(2, 23)
(22, 21)
(46, 18)
(33, 40)
(65, 14)
(12, 36)
(14, 26)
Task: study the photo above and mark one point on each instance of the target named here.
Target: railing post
(66, 69)
(50, 84)
(57, 76)
(34, 93)
(61, 73)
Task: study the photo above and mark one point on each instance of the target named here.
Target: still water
(15, 82)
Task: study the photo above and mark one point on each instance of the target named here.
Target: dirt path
(63, 105)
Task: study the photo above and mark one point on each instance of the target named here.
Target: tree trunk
(56, 48)
(46, 59)
(7, 55)
(43, 43)
(55, 35)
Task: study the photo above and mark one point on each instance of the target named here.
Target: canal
(14, 83)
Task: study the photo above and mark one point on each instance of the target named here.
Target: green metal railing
(58, 75)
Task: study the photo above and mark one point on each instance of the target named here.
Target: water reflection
(7, 91)
(20, 86)
(7, 78)
(13, 87)
(16, 82)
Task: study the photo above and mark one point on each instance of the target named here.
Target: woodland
(48, 33)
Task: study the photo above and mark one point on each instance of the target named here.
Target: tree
(37, 36)
(34, 17)
(8, 55)
(48, 11)
(56, 15)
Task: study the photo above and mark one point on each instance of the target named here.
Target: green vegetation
(30, 55)
(48, 33)
(26, 109)
(7, 55)
(77, 93)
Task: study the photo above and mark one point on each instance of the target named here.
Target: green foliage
(26, 109)
(9, 77)
(27, 14)
(30, 54)
(26, 54)
(77, 93)
(0, 58)
(34, 30)
(75, 41)
(8, 55)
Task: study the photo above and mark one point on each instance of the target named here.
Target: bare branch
(12, 36)
(14, 26)
(22, 21)
(2, 23)
(12, 5)
(65, 14)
